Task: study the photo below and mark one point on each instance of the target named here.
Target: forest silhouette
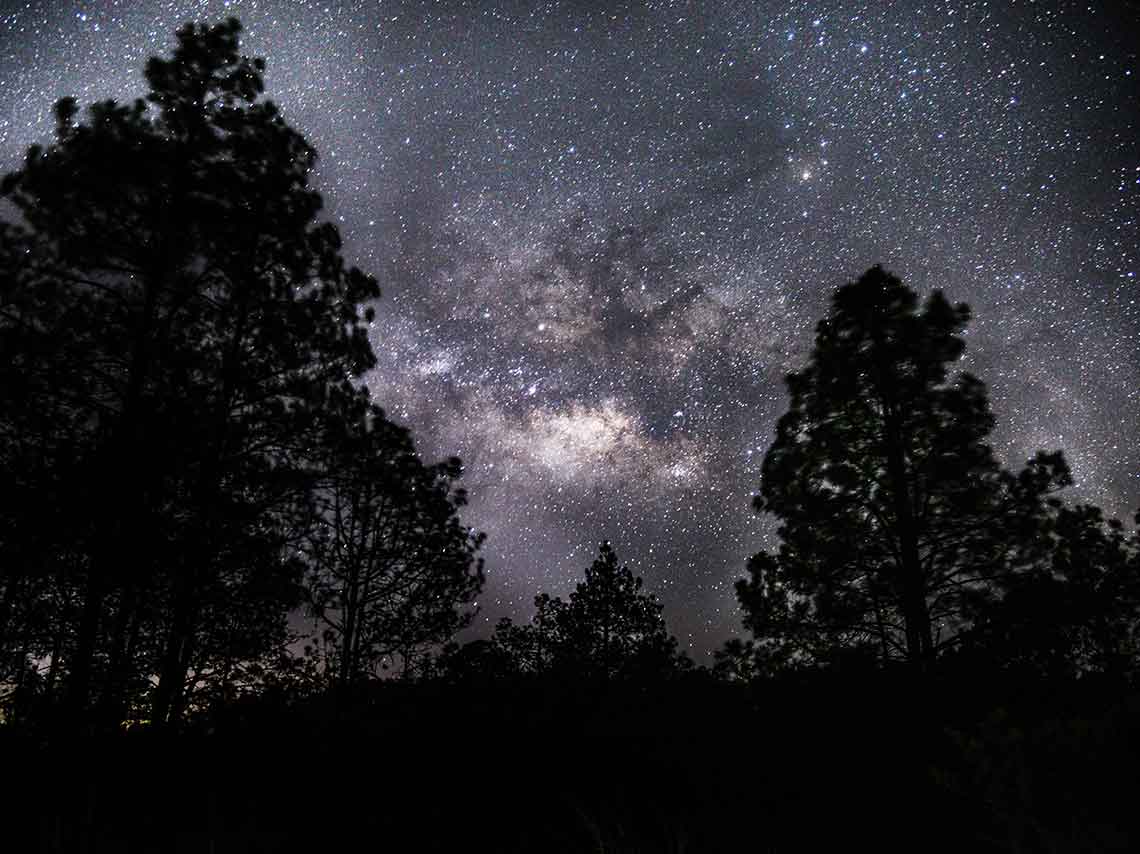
(941, 654)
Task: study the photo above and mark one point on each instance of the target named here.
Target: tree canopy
(181, 341)
(1076, 610)
(896, 520)
(609, 628)
(390, 566)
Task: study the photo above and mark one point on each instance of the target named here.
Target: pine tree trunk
(180, 699)
(113, 700)
(120, 476)
(172, 675)
(79, 673)
(346, 650)
(174, 666)
(912, 584)
(172, 672)
(916, 614)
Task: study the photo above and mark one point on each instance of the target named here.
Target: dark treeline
(942, 654)
(187, 454)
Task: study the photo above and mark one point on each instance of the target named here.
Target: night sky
(605, 231)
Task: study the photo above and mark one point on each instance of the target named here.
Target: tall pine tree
(896, 521)
(391, 568)
(609, 628)
(188, 323)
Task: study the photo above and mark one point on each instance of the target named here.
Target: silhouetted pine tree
(185, 323)
(533, 647)
(609, 628)
(896, 520)
(390, 566)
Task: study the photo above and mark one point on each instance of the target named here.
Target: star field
(605, 232)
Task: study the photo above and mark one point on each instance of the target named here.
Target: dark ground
(868, 760)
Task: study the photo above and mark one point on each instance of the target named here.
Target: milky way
(605, 232)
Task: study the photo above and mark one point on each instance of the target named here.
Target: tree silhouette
(610, 625)
(534, 647)
(738, 660)
(390, 565)
(608, 628)
(1077, 611)
(185, 324)
(896, 520)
